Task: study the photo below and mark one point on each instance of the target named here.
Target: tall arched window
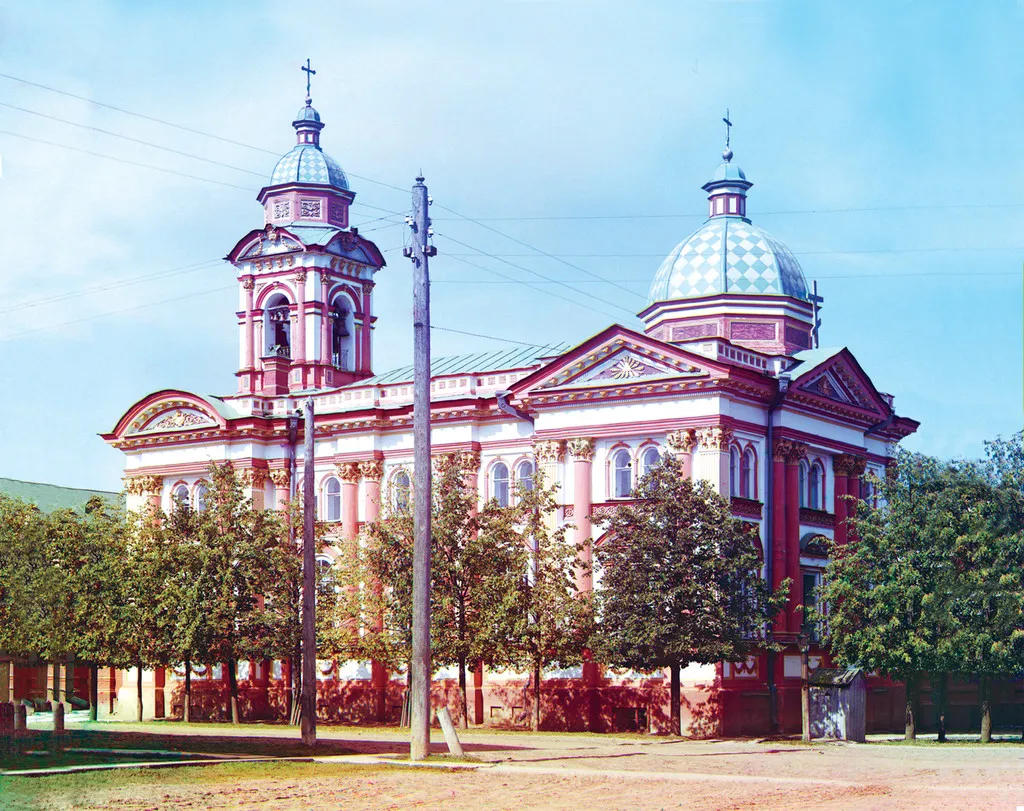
(200, 495)
(332, 493)
(648, 459)
(524, 475)
(622, 474)
(401, 492)
(803, 483)
(814, 487)
(277, 327)
(341, 335)
(180, 496)
(734, 471)
(747, 489)
(499, 483)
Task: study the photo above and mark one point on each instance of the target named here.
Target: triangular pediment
(272, 243)
(614, 358)
(841, 380)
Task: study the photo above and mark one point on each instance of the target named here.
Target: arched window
(341, 335)
(803, 483)
(524, 476)
(180, 496)
(332, 493)
(622, 474)
(648, 459)
(200, 496)
(499, 483)
(734, 471)
(814, 487)
(401, 491)
(747, 489)
(277, 327)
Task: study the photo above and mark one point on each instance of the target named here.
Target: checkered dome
(728, 255)
(307, 163)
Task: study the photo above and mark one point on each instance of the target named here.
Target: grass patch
(74, 790)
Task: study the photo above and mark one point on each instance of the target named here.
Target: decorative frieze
(816, 518)
(549, 451)
(747, 507)
(581, 449)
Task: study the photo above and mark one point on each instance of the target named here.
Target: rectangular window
(811, 583)
(732, 205)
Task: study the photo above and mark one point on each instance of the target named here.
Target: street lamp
(803, 642)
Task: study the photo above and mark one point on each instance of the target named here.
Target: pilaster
(350, 474)
(712, 462)
(681, 444)
(581, 449)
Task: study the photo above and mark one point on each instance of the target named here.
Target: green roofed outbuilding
(51, 497)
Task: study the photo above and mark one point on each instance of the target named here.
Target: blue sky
(880, 138)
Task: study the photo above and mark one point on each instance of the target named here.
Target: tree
(546, 619)
(680, 580)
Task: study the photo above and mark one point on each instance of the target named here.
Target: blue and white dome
(308, 163)
(728, 255)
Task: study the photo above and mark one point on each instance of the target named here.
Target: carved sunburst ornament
(627, 368)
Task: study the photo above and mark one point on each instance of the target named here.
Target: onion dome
(728, 254)
(307, 162)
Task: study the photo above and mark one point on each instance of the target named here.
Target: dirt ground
(524, 771)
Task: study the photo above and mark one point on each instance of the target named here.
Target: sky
(564, 143)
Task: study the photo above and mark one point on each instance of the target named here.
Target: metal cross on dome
(310, 73)
(728, 127)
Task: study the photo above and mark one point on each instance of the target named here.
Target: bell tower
(305, 278)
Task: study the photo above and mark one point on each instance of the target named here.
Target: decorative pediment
(171, 416)
(272, 243)
(828, 385)
(842, 381)
(345, 244)
(618, 362)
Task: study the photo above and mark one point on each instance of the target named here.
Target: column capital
(581, 449)
(846, 464)
(280, 478)
(143, 485)
(253, 477)
(714, 437)
(549, 451)
(349, 472)
(248, 283)
(682, 441)
(788, 451)
(300, 276)
(372, 469)
(470, 460)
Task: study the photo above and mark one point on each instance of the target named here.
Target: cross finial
(309, 74)
(728, 127)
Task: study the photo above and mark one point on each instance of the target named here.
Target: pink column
(299, 344)
(682, 444)
(325, 315)
(372, 471)
(350, 474)
(280, 478)
(840, 470)
(778, 527)
(582, 451)
(248, 284)
(796, 454)
(366, 346)
(857, 466)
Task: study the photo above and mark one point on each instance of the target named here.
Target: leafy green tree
(680, 580)
(544, 621)
(23, 543)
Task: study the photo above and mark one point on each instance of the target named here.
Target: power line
(843, 276)
(541, 275)
(479, 335)
(115, 312)
(538, 250)
(831, 252)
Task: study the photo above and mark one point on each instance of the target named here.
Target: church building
(726, 373)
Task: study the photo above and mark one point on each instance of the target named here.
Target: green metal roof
(480, 363)
(51, 497)
(810, 359)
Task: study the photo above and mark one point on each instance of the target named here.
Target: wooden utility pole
(419, 682)
(308, 586)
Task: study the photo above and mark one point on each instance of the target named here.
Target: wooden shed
(838, 701)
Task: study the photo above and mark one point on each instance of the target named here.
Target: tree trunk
(186, 708)
(676, 722)
(939, 691)
(535, 720)
(94, 691)
(463, 692)
(233, 689)
(138, 690)
(986, 709)
(910, 730)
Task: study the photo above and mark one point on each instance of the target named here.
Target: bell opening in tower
(341, 337)
(277, 327)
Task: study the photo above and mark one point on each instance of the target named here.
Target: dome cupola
(730, 279)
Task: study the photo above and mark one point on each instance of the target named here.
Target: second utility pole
(419, 682)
